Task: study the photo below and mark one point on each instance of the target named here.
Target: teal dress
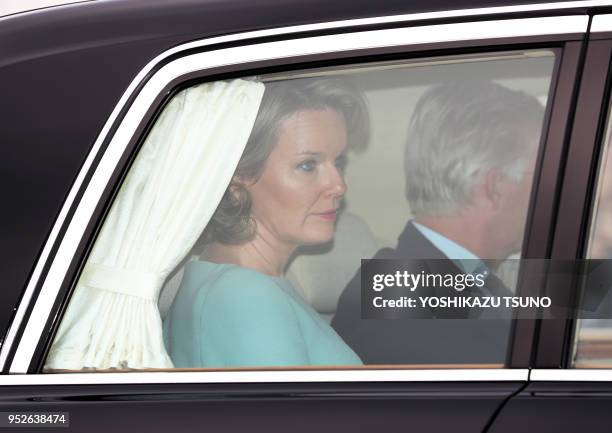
(229, 316)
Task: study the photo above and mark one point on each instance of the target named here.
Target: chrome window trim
(437, 33)
(601, 23)
(336, 376)
(571, 375)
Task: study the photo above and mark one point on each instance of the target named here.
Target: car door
(394, 397)
(569, 387)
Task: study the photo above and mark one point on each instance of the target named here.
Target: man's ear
(487, 190)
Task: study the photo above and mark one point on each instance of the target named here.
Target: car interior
(375, 209)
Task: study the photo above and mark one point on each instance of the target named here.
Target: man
(469, 165)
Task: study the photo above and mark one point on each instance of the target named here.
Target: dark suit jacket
(426, 340)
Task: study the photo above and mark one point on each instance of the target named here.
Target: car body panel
(67, 94)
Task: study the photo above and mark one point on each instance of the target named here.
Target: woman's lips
(329, 215)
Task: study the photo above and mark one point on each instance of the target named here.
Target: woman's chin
(321, 237)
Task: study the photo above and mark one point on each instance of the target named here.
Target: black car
(126, 129)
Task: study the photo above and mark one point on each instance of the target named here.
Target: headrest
(322, 272)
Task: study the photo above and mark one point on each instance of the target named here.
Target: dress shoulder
(247, 319)
(240, 285)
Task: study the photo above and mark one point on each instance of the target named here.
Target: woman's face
(295, 201)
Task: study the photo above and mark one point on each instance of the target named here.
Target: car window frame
(497, 43)
(556, 339)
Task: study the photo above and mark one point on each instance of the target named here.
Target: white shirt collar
(466, 260)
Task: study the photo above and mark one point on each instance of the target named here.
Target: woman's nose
(337, 186)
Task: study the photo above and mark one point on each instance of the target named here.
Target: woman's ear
(235, 187)
(238, 186)
(241, 182)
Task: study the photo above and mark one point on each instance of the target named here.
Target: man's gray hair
(458, 132)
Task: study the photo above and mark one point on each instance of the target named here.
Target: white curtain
(168, 197)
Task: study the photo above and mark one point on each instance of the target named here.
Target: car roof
(9, 7)
(74, 26)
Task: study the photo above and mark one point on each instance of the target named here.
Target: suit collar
(412, 244)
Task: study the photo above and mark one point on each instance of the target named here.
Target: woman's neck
(257, 254)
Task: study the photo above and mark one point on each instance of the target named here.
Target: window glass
(593, 339)
(237, 236)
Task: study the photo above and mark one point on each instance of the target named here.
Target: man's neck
(468, 235)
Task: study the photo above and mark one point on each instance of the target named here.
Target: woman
(234, 308)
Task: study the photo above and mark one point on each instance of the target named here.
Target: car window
(237, 236)
(593, 339)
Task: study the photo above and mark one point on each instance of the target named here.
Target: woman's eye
(340, 162)
(309, 165)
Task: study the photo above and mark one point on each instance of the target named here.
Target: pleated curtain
(174, 186)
